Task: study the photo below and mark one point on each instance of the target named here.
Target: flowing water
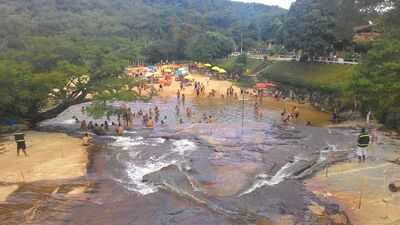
(232, 171)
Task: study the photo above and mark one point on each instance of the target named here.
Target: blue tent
(181, 72)
(152, 68)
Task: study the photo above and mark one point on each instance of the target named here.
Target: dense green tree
(376, 83)
(310, 26)
(147, 23)
(47, 45)
(210, 45)
(38, 83)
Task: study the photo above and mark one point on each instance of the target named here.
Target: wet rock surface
(219, 173)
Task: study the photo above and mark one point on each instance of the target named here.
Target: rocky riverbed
(240, 169)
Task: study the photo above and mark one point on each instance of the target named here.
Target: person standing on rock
(21, 145)
(362, 146)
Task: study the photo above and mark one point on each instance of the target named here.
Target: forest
(44, 44)
(150, 29)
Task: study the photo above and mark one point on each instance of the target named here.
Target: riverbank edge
(89, 157)
(324, 193)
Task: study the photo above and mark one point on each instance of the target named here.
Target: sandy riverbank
(307, 112)
(52, 156)
(362, 189)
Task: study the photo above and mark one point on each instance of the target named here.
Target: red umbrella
(264, 85)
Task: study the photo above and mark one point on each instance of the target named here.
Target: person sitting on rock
(86, 139)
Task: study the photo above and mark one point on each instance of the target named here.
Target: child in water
(150, 123)
(120, 130)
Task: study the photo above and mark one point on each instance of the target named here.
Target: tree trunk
(53, 112)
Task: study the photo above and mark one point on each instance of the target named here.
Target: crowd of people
(151, 117)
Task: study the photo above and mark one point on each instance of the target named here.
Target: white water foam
(183, 146)
(323, 155)
(136, 171)
(136, 174)
(69, 122)
(126, 142)
(280, 176)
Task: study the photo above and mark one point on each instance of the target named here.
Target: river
(240, 169)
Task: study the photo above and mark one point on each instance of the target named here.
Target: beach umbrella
(215, 68)
(189, 77)
(157, 74)
(264, 85)
(207, 65)
(221, 70)
(178, 73)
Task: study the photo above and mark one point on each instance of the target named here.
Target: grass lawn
(330, 77)
(229, 63)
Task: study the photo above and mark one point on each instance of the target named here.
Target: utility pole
(242, 111)
(241, 42)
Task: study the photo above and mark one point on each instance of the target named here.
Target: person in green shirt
(362, 145)
(21, 145)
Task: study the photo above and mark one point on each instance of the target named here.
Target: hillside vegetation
(250, 67)
(46, 44)
(150, 29)
(325, 77)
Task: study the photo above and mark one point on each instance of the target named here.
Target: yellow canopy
(216, 68)
(189, 77)
(157, 74)
(207, 65)
(221, 70)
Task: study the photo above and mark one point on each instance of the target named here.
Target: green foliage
(156, 28)
(317, 27)
(21, 91)
(376, 82)
(310, 27)
(49, 47)
(241, 65)
(52, 72)
(209, 46)
(323, 77)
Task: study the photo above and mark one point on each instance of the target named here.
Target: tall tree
(210, 45)
(376, 83)
(310, 27)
